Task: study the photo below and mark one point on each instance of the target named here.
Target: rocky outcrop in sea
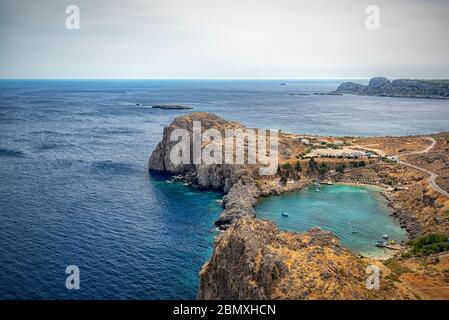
(237, 181)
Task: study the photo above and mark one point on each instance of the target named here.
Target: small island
(170, 107)
(406, 88)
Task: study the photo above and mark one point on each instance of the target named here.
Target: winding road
(432, 175)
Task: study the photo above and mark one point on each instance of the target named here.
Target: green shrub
(435, 248)
(430, 244)
(287, 166)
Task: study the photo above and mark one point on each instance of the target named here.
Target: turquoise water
(355, 214)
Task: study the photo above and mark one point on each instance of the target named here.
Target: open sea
(75, 190)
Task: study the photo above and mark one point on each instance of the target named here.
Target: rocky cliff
(398, 88)
(254, 260)
(235, 180)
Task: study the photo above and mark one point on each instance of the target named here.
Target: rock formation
(398, 88)
(170, 107)
(254, 260)
(235, 180)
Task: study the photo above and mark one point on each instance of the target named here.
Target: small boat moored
(381, 244)
(285, 214)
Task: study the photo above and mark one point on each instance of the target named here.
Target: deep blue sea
(75, 190)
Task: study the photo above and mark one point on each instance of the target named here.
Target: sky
(227, 39)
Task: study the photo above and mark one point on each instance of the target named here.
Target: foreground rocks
(254, 260)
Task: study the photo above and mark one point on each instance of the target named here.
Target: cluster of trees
(340, 168)
(321, 168)
(430, 244)
(289, 171)
(357, 164)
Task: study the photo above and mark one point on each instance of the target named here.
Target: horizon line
(212, 79)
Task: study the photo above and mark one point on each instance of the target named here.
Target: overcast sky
(235, 39)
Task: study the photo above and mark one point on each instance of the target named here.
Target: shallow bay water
(357, 215)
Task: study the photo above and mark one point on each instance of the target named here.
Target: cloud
(224, 39)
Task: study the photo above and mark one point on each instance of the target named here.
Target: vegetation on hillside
(430, 244)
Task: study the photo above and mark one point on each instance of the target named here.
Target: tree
(312, 165)
(283, 180)
(323, 168)
(340, 168)
(298, 166)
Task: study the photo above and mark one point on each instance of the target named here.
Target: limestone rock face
(235, 180)
(254, 260)
(216, 176)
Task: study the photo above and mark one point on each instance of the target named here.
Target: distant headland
(408, 88)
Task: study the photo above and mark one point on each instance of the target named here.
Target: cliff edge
(254, 260)
(237, 181)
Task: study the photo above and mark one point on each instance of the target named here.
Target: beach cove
(358, 215)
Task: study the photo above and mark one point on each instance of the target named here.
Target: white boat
(284, 214)
(317, 190)
(385, 236)
(381, 244)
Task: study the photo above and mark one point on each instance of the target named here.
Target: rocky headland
(409, 88)
(252, 259)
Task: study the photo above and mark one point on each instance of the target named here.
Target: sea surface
(75, 190)
(358, 215)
